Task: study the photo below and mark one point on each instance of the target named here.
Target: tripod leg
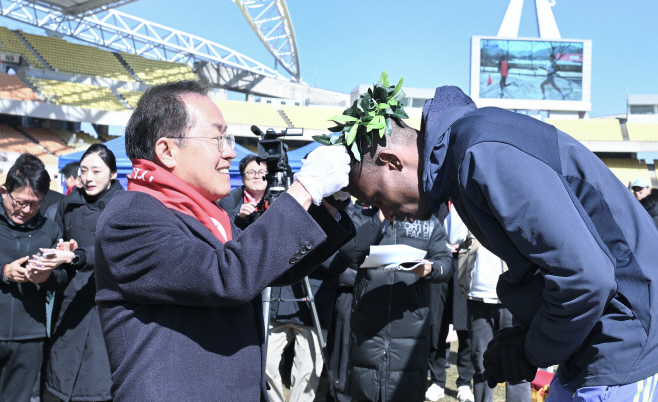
(323, 345)
(266, 296)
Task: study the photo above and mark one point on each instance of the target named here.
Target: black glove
(505, 360)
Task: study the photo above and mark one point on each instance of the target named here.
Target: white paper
(392, 254)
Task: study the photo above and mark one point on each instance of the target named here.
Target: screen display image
(525, 69)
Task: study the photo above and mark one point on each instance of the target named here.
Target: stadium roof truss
(271, 22)
(118, 31)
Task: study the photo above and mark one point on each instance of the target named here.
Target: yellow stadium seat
(238, 112)
(642, 131)
(627, 170)
(132, 97)
(590, 130)
(311, 117)
(80, 95)
(78, 59)
(154, 72)
(11, 44)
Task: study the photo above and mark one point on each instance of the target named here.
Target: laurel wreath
(368, 115)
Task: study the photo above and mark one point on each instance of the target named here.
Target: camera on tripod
(274, 153)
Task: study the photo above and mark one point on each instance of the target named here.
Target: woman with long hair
(79, 369)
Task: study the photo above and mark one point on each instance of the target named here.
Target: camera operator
(244, 205)
(178, 285)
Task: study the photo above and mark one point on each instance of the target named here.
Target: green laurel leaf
(322, 139)
(384, 79)
(397, 89)
(352, 134)
(342, 117)
(355, 152)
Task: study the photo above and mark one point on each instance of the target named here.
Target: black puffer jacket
(390, 313)
(323, 281)
(232, 205)
(650, 203)
(79, 369)
(23, 305)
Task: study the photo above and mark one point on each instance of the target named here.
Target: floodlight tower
(545, 20)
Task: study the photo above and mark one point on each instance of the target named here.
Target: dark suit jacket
(181, 312)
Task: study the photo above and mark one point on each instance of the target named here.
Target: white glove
(325, 171)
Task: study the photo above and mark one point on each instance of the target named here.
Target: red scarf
(250, 198)
(149, 178)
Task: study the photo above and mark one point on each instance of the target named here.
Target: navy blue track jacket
(582, 252)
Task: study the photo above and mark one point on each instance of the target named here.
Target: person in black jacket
(52, 198)
(244, 204)
(390, 321)
(23, 232)
(79, 369)
(290, 320)
(642, 191)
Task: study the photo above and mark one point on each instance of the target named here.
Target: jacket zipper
(390, 278)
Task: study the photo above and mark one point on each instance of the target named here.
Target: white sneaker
(464, 394)
(434, 393)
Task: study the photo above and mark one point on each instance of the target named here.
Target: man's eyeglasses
(253, 173)
(22, 204)
(222, 140)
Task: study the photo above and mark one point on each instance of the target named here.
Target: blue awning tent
(124, 166)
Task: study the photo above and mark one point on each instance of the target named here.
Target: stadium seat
(132, 97)
(642, 131)
(315, 118)
(627, 170)
(11, 87)
(78, 59)
(261, 114)
(48, 140)
(11, 44)
(590, 130)
(81, 95)
(154, 72)
(13, 141)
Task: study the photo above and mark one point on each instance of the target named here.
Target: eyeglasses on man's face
(20, 205)
(222, 140)
(255, 173)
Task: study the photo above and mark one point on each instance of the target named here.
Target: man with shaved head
(581, 250)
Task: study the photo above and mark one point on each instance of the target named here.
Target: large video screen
(531, 69)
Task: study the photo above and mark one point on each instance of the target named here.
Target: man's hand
(70, 245)
(325, 171)
(504, 359)
(15, 272)
(38, 275)
(423, 270)
(60, 257)
(247, 209)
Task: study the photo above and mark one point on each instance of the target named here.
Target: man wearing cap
(582, 280)
(642, 191)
